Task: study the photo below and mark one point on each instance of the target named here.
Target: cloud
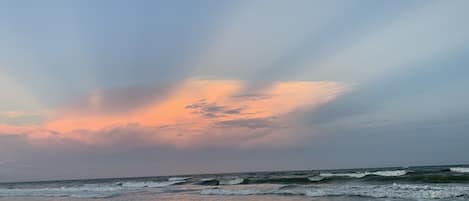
(213, 110)
(20, 117)
(120, 100)
(196, 113)
(252, 123)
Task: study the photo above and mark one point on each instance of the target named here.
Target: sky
(121, 88)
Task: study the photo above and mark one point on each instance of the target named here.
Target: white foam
(396, 191)
(389, 173)
(178, 178)
(233, 181)
(249, 189)
(354, 175)
(208, 179)
(79, 191)
(150, 184)
(231, 192)
(460, 169)
(316, 178)
(87, 190)
(401, 191)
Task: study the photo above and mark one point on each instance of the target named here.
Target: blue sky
(136, 88)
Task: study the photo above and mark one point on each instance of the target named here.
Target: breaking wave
(149, 184)
(459, 169)
(78, 192)
(411, 183)
(178, 178)
(103, 190)
(390, 173)
(232, 181)
(374, 191)
(284, 180)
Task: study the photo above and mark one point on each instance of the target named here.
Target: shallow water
(191, 197)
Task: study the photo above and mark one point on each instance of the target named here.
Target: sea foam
(103, 190)
(396, 191)
(150, 184)
(178, 178)
(232, 181)
(460, 169)
(389, 173)
(78, 192)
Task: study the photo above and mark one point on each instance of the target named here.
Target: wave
(413, 183)
(149, 184)
(178, 178)
(389, 173)
(316, 178)
(353, 175)
(154, 184)
(103, 190)
(396, 191)
(459, 169)
(232, 181)
(283, 180)
(232, 192)
(308, 179)
(221, 181)
(77, 192)
(208, 181)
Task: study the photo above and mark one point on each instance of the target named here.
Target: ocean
(376, 184)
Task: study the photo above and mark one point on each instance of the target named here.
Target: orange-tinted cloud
(197, 112)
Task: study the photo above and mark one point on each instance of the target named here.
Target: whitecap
(208, 179)
(233, 181)
(178, 178)
(316, 178)
(231, 192)
(399, 191)
(395, 191)
(150, 184)
(390, 173)
(459, 169)
(77, 191)
(354, 175)
(387, 173)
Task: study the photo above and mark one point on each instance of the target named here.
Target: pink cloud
(197, 113)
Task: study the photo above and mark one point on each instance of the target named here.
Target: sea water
(380, 184)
